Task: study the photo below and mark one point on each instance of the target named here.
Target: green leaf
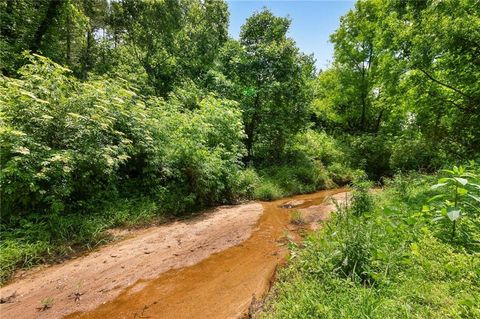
(477, 198)
(474, 185)
(389, 211)
(415, 249)
(438, 185)
(431, 199)
(462, 181)
(453, 215)
(448, 171)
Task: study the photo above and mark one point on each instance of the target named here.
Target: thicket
(66, 143)
(391, 254)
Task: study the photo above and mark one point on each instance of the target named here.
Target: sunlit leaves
(458, 196)
(97, 136)
(270, 78)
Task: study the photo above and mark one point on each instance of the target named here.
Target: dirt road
(208, 267)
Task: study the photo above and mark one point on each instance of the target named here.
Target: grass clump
(268, 190)
(297, 218)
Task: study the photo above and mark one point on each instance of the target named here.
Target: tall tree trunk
(379, 121)
(69, 39)
(363, 98)
(86, 60)
(51, 13)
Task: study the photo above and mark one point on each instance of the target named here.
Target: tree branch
(444, 84)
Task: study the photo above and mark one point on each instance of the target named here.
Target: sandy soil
(84, 283)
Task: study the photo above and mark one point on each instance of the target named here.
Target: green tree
(354, 95)
(174, 40)
(407, 71)
(67, 31)
(271, 79)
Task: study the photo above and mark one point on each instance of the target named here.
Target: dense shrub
(312, 160)
(295, 177)
(415, 153)
(317, 146)
(246, 184)
(370, 152)
(66, 142)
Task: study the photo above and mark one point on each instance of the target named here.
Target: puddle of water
(221, 286)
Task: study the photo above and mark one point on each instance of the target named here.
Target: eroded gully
(224, 284)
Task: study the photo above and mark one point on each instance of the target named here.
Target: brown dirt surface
(315, 215)
(86, 282)
(214, 266)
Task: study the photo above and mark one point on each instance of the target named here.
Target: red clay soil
(209, 267)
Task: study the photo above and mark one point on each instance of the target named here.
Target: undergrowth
(390, 259)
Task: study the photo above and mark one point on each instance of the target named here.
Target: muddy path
(209, 267)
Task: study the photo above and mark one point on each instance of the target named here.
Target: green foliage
(73, 33)
(59, 138)
(384, 264)
(268, 190)
(371, 153)
(313, 160)
(158, 44)
(409, 103)
(362, 201)
(173, 40)
(415, 153)
(270, 78)
(342, 174)
(69, 147)
(323, 150)
(293, 178)
(317, 146)
(457, 198)
(246, 184)
(65, 142)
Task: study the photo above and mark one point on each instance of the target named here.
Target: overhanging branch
(444, 84)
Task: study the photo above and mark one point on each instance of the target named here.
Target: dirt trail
(209, 267)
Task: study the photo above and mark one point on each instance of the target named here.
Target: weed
(46, 304)
(297, 218)
(457, 198)
(361, 198)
